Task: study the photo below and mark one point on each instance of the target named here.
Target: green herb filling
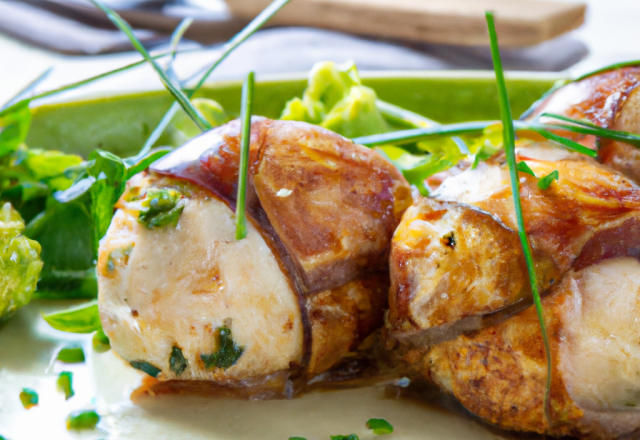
(227, 354)
(151, 370)
(161, 207)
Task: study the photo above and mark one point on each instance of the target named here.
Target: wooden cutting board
(458, 22)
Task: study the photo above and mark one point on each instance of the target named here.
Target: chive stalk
(509, 147)
(22, 94)
(177, 93)
(227, 49)
(243, 169)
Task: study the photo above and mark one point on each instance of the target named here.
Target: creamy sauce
(27, 345)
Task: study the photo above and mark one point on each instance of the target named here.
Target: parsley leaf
(228, 352)
(380, 426)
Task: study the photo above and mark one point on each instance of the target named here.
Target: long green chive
(173, 46)
(510, 150)
(229, 47)
(23, 94)
(609, 67)
(243, 169)
(593, 129)
(14, 104)
(420, 134)
(168, 83)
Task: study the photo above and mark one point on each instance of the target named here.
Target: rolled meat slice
(182, 299)
(460, 301)
(609, 99)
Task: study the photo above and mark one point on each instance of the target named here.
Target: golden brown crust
(579, 218)
(499, 373)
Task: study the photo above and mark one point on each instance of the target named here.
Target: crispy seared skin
(458, 256)
(610, 100)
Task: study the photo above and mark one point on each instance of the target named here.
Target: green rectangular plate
(120, 123)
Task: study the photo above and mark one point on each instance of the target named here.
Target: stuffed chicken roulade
(460, 301)
(181, 298)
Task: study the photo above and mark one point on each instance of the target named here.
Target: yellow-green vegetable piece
(20, 263)
(336, 99)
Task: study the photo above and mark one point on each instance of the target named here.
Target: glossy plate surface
(28, 345)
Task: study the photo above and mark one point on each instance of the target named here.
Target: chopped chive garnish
(227, 49)
(243, 169)
(71, 355)
(345, 437)
(100, 341)
(546, 181)
(65, 384)
(227, 353)
(29, 398)
(81, 420)
(509, 146)
(524, 168)
(379, 426)
(84, 318)
(146, 367)
(179, 96)
(177, 362)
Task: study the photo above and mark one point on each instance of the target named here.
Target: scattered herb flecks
(547, 180)
(151, 370)
(80, 420)
(65, 384)
(177, 362)
(379, 426)
(71, 355)
(345, 437)
(118, 256)
(297, 438)
(100, 341)
(523, 167)
(449, 240)
(29, 398)
(227, 354)
(160, 207)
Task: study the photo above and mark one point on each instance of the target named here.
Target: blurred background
(76, 40)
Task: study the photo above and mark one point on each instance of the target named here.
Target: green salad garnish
(20, 263)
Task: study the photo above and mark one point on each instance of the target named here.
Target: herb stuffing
(161, 207)
(146, 367)
(177, 362)
(29, 398)
(227, 353)
(82, 420)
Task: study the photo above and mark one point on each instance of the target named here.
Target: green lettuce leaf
(20, 263)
